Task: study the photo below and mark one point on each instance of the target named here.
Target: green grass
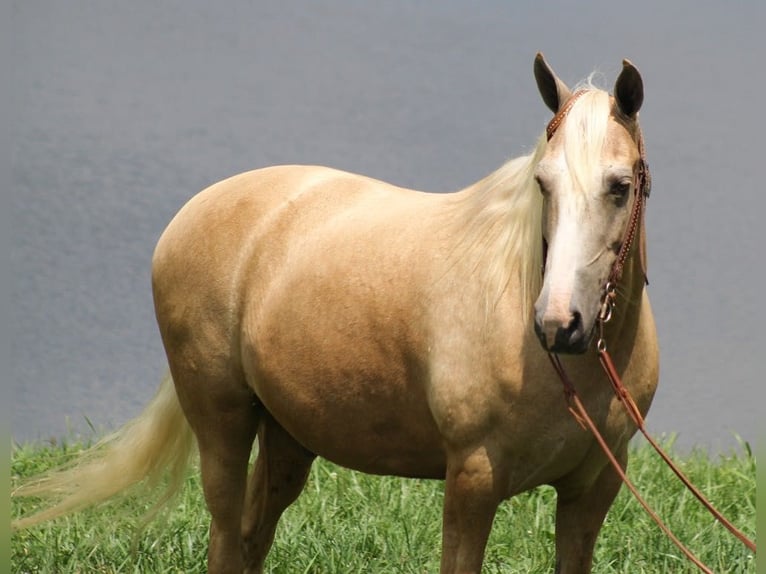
(351, 522)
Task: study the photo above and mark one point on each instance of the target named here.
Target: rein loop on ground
(642, 185)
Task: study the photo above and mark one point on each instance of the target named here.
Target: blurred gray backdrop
(122, 111)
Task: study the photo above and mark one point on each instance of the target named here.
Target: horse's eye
(619, 190)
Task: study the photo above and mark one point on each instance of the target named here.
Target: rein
(642, 186)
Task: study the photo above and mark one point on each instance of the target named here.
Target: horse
(398, 332)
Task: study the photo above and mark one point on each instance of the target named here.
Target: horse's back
(221, 225)
(257, 222)
(270, 198)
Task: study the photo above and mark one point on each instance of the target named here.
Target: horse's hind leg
(280, 472)
(579, 519)
(223, 414)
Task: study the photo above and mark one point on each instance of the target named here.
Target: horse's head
(587, 177)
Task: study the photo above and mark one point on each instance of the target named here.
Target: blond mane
(501, 215)
(501, 229)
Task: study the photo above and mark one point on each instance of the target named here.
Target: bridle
(635, 226)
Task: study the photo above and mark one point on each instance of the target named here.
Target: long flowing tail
(159, 440)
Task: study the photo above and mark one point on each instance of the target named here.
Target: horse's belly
(373, 425)
(345, 386)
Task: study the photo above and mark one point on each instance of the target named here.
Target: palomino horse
(398, 332)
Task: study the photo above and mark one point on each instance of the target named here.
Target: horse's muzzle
(571, 338)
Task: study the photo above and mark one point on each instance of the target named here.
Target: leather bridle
(635, 226)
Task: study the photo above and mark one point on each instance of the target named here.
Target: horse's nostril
(575, 325)
(572, 338)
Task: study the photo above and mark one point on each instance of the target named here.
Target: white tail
(158, 440)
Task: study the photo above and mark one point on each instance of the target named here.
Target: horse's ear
(629, 90)
(554, 92)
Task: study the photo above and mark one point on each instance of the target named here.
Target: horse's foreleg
(470, 503)
(579, 519)
(280, 472)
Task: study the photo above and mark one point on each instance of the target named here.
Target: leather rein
(642, 185)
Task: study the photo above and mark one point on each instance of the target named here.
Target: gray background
(122, 111)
